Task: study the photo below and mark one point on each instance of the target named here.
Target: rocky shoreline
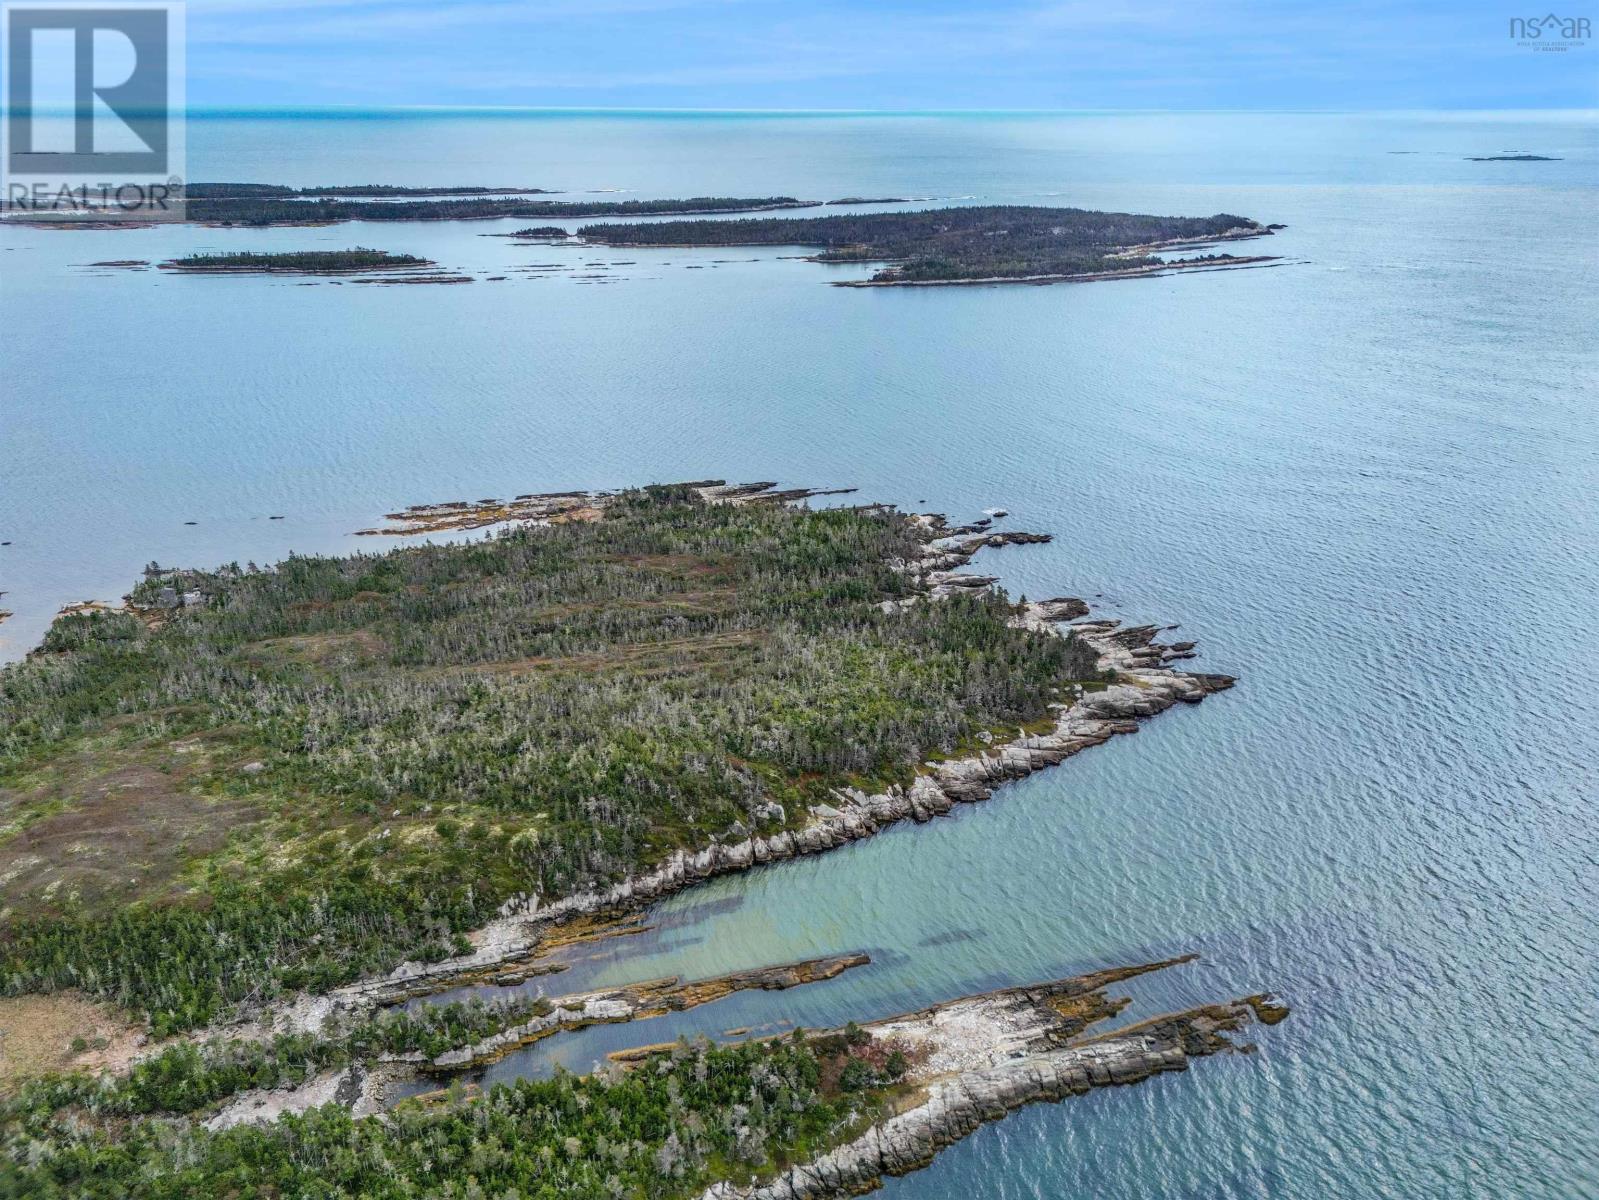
(982, 1057)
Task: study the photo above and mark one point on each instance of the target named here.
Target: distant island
(982, 243)
(256, 191)
(961, 245)
(273, 204)
(1515, 158)
(296, 262)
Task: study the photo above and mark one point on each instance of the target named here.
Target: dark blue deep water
(1365, 481)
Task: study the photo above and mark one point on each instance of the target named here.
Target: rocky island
(251, 832)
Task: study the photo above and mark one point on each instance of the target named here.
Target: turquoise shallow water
(1364, 481)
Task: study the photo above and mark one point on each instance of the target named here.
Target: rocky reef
(981, 1057)
(555, 508)
(638, 1001)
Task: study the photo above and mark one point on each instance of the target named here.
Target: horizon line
(204, 110)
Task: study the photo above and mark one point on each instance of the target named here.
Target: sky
(884, 54)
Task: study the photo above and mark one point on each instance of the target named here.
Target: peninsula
(336, 765)
(254, 818)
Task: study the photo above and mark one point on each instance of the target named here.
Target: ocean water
(1364, 480)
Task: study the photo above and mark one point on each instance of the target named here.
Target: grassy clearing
(41, 1035)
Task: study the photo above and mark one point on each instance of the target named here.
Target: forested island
(295, 262)
(240, 191)
(956, 245)
(271, 204)
(292, 798)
